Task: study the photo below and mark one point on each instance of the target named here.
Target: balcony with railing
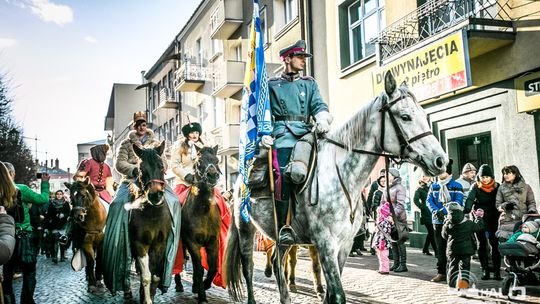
(227, 138)
(189, 77)
(226, 19)
(227, 78)
(488, 23)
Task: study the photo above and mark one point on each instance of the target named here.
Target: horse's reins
(144, 187)
(403, 142)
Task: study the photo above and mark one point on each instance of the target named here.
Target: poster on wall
(432, 70)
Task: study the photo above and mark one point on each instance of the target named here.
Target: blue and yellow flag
(255, 116)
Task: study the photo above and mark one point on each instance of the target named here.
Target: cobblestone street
(60, 284)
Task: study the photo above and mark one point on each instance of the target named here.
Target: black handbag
(25, 250)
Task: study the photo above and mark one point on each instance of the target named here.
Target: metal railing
(190, 72)
(437, 16)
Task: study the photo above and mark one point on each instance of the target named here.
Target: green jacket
(28, 196)
(298, 96)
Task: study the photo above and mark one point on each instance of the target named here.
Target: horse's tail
(232, 264)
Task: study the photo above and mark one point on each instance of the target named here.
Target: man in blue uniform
(294, 99)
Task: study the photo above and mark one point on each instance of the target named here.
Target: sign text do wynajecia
(433, 70)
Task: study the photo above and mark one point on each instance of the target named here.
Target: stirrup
(286, 236)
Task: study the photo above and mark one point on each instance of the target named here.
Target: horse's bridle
(404, 143)
(145, 187)
(203, 175)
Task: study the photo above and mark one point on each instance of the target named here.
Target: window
(264, 28)
(238, 52)
(359, 22)
(216, 46)
(199, 51)
(291, 10)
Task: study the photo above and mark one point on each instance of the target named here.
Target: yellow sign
(433, 70)
(528, 92)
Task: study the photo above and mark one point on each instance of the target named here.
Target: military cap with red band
(297, 49)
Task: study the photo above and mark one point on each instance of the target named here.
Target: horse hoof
(268, 272)
(292, 288)
(179, 288)
(92, 289)
(128, 295)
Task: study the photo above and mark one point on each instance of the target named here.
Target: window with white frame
(216, 46)
(199, 51)
(291, 10)
(359, 22)
(264, 27)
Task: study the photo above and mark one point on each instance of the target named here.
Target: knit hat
(449, 166)
(468, 168)
(394, 172)
(532, 225)
(384, 210)
(485, 170)
(455, 212)
(191, 127)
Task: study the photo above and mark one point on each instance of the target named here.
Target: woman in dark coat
(420, 196)
(482, 196)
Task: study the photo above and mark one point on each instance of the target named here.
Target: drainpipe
(309, 34)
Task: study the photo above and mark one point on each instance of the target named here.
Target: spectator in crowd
(25, 240)
(460, 235)
(528, 228)
(514, 199)
(375, 201)
(55, 221)
(382, 239)
(420, 197)
(482, 196)
(397, 199)
(442, 192)
(468, 173)
(9, 195)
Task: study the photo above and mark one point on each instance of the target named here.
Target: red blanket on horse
(182, 192)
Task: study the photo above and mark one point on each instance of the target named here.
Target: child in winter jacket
(529, 233)
(382, 240)
(459, 232)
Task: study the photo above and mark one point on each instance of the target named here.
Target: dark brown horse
(201, 221)
(150, 223)
(90, 214)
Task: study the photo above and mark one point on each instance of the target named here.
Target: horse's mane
(354, 128)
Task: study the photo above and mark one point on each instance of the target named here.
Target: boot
(497, 275)
(395, 257)
(402, 259)
(485, 274)
(439, 278)
(286, 236)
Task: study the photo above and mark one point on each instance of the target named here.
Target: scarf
(192, 149)
(444, 194)
(486, 187)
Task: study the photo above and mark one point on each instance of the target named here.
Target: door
(475, 149)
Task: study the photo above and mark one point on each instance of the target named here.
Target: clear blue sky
(62, 58)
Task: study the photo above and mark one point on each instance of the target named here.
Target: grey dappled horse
(393, 123)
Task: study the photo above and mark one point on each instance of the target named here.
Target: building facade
(469, 63)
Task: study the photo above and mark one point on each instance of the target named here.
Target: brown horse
(90, 214)
(201, 221)
(290, 261)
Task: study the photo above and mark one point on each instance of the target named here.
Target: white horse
(327, 213)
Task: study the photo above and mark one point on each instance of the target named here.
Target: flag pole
(273, 195)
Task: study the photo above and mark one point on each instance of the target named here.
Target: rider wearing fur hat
(294, 99)
(182, 162)
(117, 254)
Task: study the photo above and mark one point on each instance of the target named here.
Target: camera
(39, 175)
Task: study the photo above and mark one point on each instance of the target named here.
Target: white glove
(324, 119)
(267, 141)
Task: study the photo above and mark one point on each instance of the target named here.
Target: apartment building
(199, 77)
(470, 63)
(124, 101)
